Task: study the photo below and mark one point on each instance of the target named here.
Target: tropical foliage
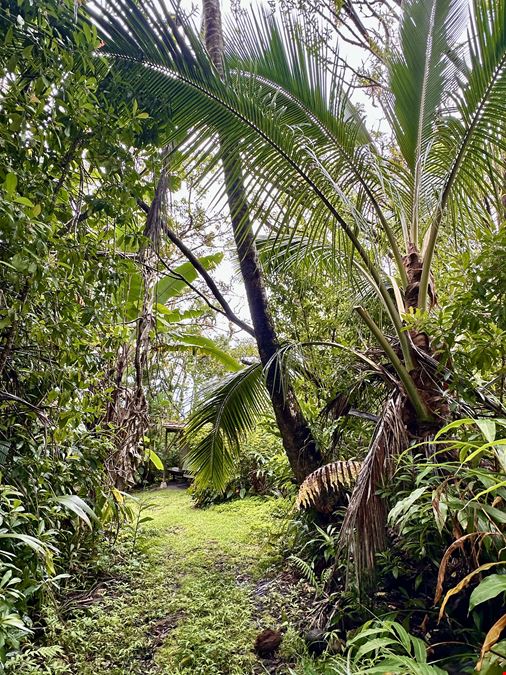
(318, 173)
(362, 402)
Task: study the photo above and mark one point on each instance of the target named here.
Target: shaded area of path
(192, 601)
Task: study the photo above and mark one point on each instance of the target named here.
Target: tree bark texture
(130, 411)
(298, 441)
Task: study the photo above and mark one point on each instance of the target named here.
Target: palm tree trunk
(430, 388)
(364, 526)
(298, 440)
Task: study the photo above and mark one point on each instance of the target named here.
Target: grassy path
(193, 605)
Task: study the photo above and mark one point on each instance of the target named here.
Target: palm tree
(300, 446)
(311, 164)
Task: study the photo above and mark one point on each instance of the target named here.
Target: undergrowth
(184, 602)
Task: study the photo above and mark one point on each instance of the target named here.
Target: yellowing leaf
(117, 495)
(465, 582)
(155, 460)
(491, 638)
(321, 487)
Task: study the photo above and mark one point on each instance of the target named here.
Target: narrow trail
(192, 602)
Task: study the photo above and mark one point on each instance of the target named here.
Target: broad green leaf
(500, 453)
(497, 514)
(155, 460)
(403, 506)
(492, 488)
(463, 583)
(488, 588)
(24, 201)
(129, 294)
(78, 506)
(372, 645)
(440, 510)
(177, 315)
(491, 639)
(487, 428)
(403, 634)
(405, 665)
(206, 346)
(454, 425)
(10, 183)
(172, 285)
(32, 542)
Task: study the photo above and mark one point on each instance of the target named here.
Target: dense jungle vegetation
(253, 337)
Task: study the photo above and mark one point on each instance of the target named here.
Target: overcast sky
(227, 271)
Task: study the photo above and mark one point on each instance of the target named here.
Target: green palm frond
(314, 259)
(420, 73)
(471, 139)
(477, 129)
(420, 77)
(315, 102)
(227, 413)
(295, 165)
(307, 159)
(313, 97)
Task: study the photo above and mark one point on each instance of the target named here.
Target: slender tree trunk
(298, 440)
(131, 410)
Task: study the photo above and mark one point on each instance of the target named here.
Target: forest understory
(190, 595)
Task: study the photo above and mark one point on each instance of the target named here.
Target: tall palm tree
(311, 164)
(299, 443)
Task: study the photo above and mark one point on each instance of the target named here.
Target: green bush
(262, 469)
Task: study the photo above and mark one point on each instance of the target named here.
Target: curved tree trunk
(298, 440)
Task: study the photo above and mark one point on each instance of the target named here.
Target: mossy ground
(192, 602)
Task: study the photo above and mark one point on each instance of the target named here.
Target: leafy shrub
(262, 469)
(449, 520)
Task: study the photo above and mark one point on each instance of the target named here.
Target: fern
(305, 570)
(325, 488)
(50, 651)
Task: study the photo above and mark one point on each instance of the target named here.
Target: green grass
(186, 605)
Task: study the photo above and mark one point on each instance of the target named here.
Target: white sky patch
(227, 272)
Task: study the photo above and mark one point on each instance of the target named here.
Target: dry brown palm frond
(325, 488)
(364, 527)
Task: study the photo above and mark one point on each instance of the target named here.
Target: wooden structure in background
(174, 472)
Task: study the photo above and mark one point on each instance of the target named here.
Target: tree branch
(226, 309)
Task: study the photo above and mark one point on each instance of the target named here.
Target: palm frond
(228, 411)
(472, 138)
(288, 74)
(477, 130)
(288, 162)
(281, 255)
(325, 488)
(363, 531)
(420, 74)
